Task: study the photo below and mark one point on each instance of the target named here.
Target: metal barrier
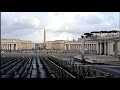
(80, 70)
(21, 65)
(57, 70)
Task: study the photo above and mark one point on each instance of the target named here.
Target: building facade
(16, 44)
(103, 43)
(55, 45)
(77, 45)
(38, 46)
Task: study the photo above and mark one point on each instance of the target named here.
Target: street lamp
(83, 47)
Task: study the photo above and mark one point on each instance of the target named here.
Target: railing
(58, 71)
(80, 70)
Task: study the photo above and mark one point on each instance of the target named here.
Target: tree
(82, 36)
(88, 34)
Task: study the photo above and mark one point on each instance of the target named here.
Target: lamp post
(83, 47)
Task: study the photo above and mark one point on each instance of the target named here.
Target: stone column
(68, 46)
(65, 47)
(93, 46)
(73, 46)
(108, 48)
(76, 47)
(83, 47)
(100, 48)
(90, 47)
(3, 46)
(11, 46)
(97, 48)
(79, 46)
(116, 49)
(87, 46)
(7, 46)
(104, 48)
(17, 46)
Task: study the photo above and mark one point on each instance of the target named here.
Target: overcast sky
(58, 25)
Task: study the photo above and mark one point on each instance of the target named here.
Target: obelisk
(44, 39)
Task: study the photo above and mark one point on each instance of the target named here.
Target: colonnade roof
(15, 40)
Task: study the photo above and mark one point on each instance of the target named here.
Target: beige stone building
(16, 44)
(77, 45)
(103, 43)
(56, 45)
(39, 46)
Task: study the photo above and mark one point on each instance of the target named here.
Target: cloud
(92, 20)
(87, 22)
(26, 23)
(59, 25)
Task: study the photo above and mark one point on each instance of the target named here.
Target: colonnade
(79, 46)
(9, 46)
(108, 48)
